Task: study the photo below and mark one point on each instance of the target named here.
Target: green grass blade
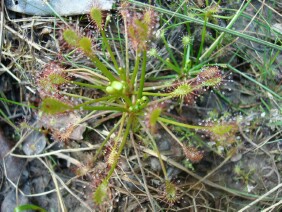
(210, 25)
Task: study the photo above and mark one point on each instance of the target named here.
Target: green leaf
(100, 193)
(212, 82)
(155, 114)
(16, 103)
(170, 192)
(142, 30)
(222, 129)
(71, 37)
(29, 207)
(131, 31)
(57, 79)
(85, 44)
(53, 106)
(96, 15)
(182, 90)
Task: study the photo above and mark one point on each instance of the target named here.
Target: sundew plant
(135, 105)
(161, 105)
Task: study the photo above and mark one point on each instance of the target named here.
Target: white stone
(62, 7)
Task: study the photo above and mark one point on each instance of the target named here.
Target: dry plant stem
(93, 85)
(261, 197)
(92, 73)
(69, 159)
(105, 98)
(64, 185)
(56, 152)
(109, 117)
(142, 172)
(94, 115)
(199, 206)
(272, 207)
(63, 156)
(17, 185)
(89, 79)
(139, 202)
(60, 202)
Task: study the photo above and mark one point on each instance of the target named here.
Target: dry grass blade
(261, 197)
(143, 173)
